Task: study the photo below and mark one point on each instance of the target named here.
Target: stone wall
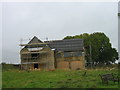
(44, 61)
(47, 60)
(72, 63)
(63, 65)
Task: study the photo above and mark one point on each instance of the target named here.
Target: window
(34, 55)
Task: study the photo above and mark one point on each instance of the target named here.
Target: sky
(54, 21)
(59, 0)
(119, 30)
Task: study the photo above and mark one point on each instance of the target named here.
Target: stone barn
(49, 55)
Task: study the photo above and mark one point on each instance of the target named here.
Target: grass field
(56, 79)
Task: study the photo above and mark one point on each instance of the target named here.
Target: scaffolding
(32, 56)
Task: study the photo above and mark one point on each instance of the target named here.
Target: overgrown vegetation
(6, 67)
(56, 79)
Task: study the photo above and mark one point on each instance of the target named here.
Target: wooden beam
(29, 62)
(34, 52)
(32, 44)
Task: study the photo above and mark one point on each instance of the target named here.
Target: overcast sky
(55, 21)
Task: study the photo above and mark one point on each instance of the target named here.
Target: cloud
(55, 21)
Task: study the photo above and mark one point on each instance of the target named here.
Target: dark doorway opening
(35, 66)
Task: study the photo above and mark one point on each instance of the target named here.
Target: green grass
(56, 79)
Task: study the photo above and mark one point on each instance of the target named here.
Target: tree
(101, 49)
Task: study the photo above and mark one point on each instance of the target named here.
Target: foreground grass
(56, 79)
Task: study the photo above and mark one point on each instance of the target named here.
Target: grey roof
(58, 45)
(34, 40)
(67, 44)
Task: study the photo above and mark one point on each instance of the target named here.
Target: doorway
(35, 66)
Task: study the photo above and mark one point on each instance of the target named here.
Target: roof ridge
(34, 38)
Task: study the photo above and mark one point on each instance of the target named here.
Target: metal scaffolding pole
(90, 55)
(21, 40)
